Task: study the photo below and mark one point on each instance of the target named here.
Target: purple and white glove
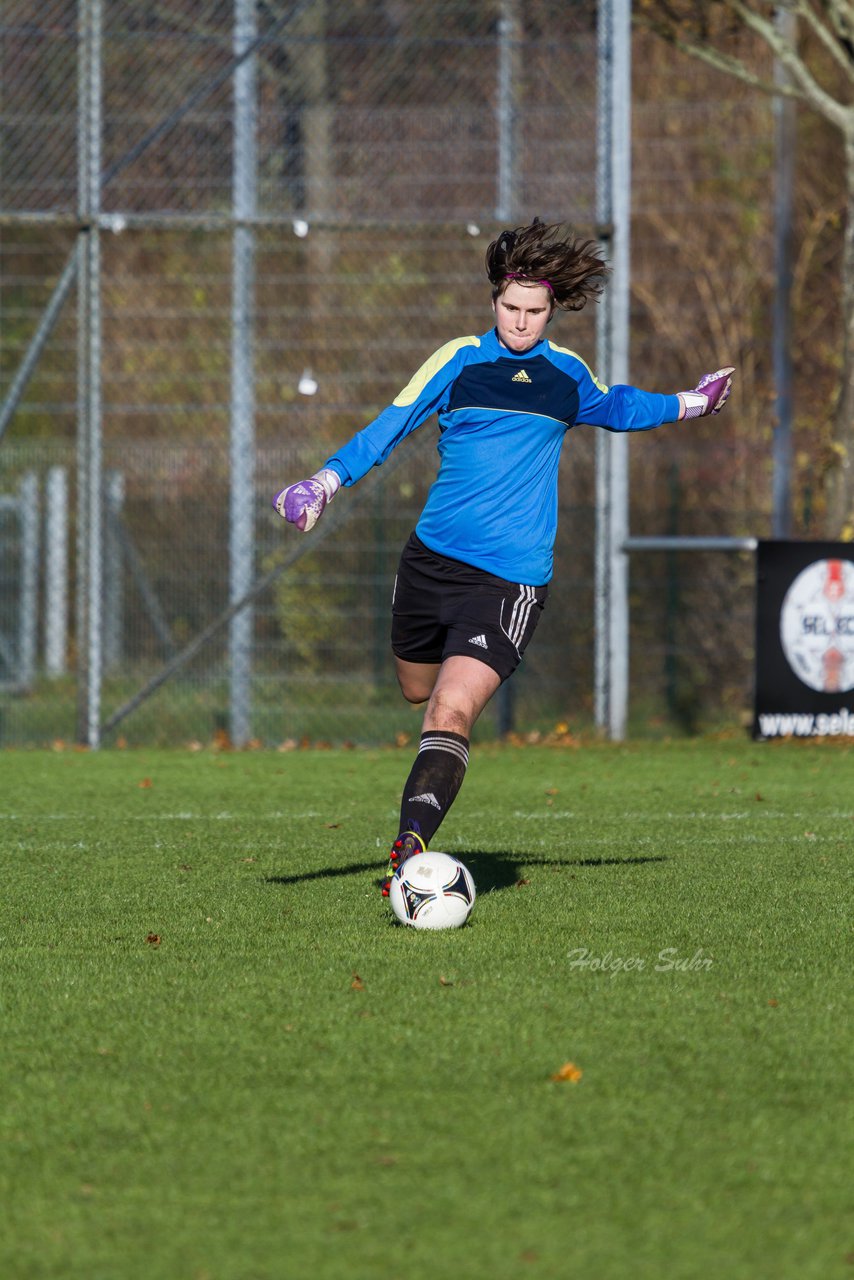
(302, 504)
(710, 394)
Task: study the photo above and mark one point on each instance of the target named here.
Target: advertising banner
(804, 640)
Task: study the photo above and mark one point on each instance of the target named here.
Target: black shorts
(442, 607)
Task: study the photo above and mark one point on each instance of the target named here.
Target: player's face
(522, 312)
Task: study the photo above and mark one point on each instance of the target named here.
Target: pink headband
(516, 275)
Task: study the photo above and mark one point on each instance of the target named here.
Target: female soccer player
(474, 575)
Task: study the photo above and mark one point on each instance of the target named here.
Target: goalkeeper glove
(709, 396)
(302, 504)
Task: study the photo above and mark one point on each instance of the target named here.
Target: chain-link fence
(229, 235)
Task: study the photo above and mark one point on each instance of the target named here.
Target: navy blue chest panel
(517, 386)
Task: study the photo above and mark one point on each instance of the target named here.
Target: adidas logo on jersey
(521, 376)
(480, 641)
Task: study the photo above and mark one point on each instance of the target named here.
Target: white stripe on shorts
(520, 616)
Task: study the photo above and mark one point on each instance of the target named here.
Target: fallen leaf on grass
(144, 784)
(520, 884)
(153, 939)
(357, 984)
(569, 1071)
(445, 982)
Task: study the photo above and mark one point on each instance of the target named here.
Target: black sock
(433, 782)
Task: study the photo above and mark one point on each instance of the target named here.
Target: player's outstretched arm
(709, 396)
(303, 503)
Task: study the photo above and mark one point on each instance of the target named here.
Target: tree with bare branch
(812, 41)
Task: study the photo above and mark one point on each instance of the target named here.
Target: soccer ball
(432, 891)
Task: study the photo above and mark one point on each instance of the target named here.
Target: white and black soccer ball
(432, 891)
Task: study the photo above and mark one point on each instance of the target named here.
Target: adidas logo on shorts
(480, 641)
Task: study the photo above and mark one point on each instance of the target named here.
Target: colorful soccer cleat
(406, 844)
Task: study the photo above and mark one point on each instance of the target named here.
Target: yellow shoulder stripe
(430, 368)
(564, 351)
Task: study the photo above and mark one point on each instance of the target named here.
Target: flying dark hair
(542, 253)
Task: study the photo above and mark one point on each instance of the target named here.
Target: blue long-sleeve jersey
(502, 421)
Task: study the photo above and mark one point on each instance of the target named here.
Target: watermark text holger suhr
(668, 960)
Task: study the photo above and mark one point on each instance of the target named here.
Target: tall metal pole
(505, 108)
(114, 594)
(613, 207)
(89, 410)
(56, 571)
(242, 437)
(28, 623)
(784, 174)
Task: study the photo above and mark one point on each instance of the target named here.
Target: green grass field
(220, 1061)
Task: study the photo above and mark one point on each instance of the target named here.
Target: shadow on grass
(491, 871)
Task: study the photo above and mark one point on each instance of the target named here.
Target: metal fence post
(611, 661)
(785, 125)
(114, 596)
(509, 55)
(89, 427)
(28, 499)
(508, 76)
(242, 528)
(507, 88)
(56, 572)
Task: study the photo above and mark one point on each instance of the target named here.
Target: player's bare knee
(413, 691)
